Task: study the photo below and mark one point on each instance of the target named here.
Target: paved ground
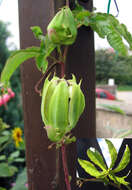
(125, 96)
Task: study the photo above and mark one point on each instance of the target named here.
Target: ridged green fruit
(62, 29)
(62, 104)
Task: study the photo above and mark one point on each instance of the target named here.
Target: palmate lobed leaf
(121, 28)
(96, 158)
(112, 151)
(124, 161)
(81, 15)
(127, 35)
(15, 60)
(107, 174)
(90, 168)
(115, 40)
(107, 26)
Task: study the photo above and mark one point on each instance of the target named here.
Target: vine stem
(62, 69)
(63, 150)
(67, 3)
(63, 147)
(43, 77)
(99, 180)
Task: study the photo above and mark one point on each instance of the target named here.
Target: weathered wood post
(41, 162)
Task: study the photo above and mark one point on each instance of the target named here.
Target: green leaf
(6, 170)
(15, 154)
(107, 25)
(41, 62)
(90, 168)
(112, 151)
(15, 60)
(81, 15)
(122, 29)
(2, 157)
(113, 108)
(4, 139)
(38, 33)
(21, 181)
(10, 160)
(119, 180)
(46, 49)
(13, 170)
(20, 187)
(2, 188)
(6, 133)
(124, 161)
(115, 40)
(96, 158)
(126, 34)
(19, 160)
(49, 46)
(21, 145)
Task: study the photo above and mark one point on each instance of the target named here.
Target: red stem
(63, 147)
(63, 150)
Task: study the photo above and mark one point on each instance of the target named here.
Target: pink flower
(6, 97)
(11, 93)
(26, 185)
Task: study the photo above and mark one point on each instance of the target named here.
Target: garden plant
(10, 163)
(62, 100)
(104, 174)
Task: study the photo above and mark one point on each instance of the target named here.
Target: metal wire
(108, 7)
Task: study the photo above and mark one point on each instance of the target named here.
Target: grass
(124, 88)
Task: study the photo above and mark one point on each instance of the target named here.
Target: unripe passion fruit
(62, 104)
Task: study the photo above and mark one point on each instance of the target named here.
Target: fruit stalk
(63, 150)
(67, 3)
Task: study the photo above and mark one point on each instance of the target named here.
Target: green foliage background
(13, 114)
(112, 65)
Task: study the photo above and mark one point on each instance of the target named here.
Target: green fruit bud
(62, 29)
(62, 104)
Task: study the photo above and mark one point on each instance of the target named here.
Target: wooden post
(41, 162)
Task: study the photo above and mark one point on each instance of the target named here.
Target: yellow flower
(17, 136)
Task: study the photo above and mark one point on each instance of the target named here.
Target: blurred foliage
(13, 113)
(111, 65)
(11, 162)
(21, 181)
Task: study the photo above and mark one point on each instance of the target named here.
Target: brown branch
(65, 53)
(55, 182)
(43, 77)
(63, 150)
(99, 180)
(67, 3)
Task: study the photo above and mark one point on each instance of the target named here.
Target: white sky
(9, 13)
